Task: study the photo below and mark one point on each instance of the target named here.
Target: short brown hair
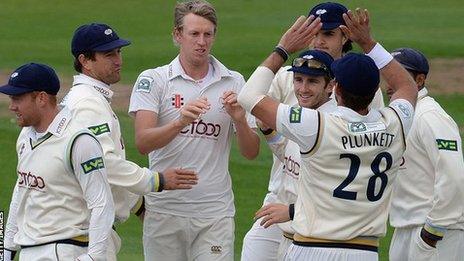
(77, 64)
(355, 102)
(197, 7)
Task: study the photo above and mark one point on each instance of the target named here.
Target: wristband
(291, 211)
(161, 182)
(380, 56)
(266, 132)
(281, 52)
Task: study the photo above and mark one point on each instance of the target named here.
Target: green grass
(250, 179)
(248, 30)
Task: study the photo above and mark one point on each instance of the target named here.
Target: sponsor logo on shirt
(292, 167)
(177, 100)
(93, 164)
(295, 115)
(447, 145)
(99, 129)
(216, 249)
(31, 181)
(202, 129)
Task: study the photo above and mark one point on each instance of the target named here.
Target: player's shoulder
(283, 72)
(80, 95)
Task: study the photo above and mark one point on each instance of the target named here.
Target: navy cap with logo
(313, 62)
(411, 60)
(357, 74)
(32, 77)
(331, 14)
(95, 37)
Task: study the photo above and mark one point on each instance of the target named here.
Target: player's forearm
(394, 74)
(148, 140)
(101, 221)
(277, 144)
(247, 139)
(255, 88)
(11, 225)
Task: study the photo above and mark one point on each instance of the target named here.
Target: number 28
(339, 192)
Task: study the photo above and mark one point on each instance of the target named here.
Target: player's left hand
(357, 28)
(273, 213)
(232, 107)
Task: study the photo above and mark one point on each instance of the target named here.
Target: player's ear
(329, 88)
(85, 62)
(420, 80)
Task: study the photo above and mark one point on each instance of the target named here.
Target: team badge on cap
(321, 11)
(14, 75)
(108, 31)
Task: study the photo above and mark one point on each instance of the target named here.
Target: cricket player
(61, 208)
(312, 87)
(427, 204)
(186, 113)
(97, 52)
(348, 157)
(262, 243)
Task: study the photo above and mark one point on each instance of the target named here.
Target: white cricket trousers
(303, 253)
(406, 245)
(175, 238)
(52, 252)
(261, 244)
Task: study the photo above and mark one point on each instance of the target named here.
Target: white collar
(219, 70)
(352, 116)
(56, 127)
(101, 87)
(422, 93)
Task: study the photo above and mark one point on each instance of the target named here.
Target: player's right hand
(193, 110)
(176, 178)
(273, 213)
(301, 34)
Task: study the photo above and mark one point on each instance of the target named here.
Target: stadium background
(32, 30)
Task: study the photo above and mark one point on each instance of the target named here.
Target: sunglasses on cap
(311, 64)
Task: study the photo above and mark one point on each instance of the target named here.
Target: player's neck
(46, 119)
(196, 70)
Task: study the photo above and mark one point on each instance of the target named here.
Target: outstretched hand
(179, 179)
(273, 213)
(357, 29)
(301, 34)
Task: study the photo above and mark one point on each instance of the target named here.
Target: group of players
(337, 150)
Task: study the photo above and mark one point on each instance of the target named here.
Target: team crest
(357, 127)
(404, 110)
(144, 84)
(177, 100)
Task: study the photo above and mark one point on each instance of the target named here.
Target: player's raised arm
(358, 30)
(253, 95)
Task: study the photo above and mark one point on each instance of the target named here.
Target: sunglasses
(311, 63)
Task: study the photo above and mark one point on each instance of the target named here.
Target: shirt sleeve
(405, 111)
(298, 124)
(442, 142)
(122, 173)
(277, 144)
(11, 223)
(90, 171)
(146, 93)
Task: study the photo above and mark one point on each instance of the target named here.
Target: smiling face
(105, 67)
(311, 91)
(26, 109)
(195, 38)
(330, 41)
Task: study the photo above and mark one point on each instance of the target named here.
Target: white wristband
(380, 56)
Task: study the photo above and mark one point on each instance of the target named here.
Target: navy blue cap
(95, 37)
(32, 77)
(411, 60)
(316, 55)
(357, 74)
(331, 14)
